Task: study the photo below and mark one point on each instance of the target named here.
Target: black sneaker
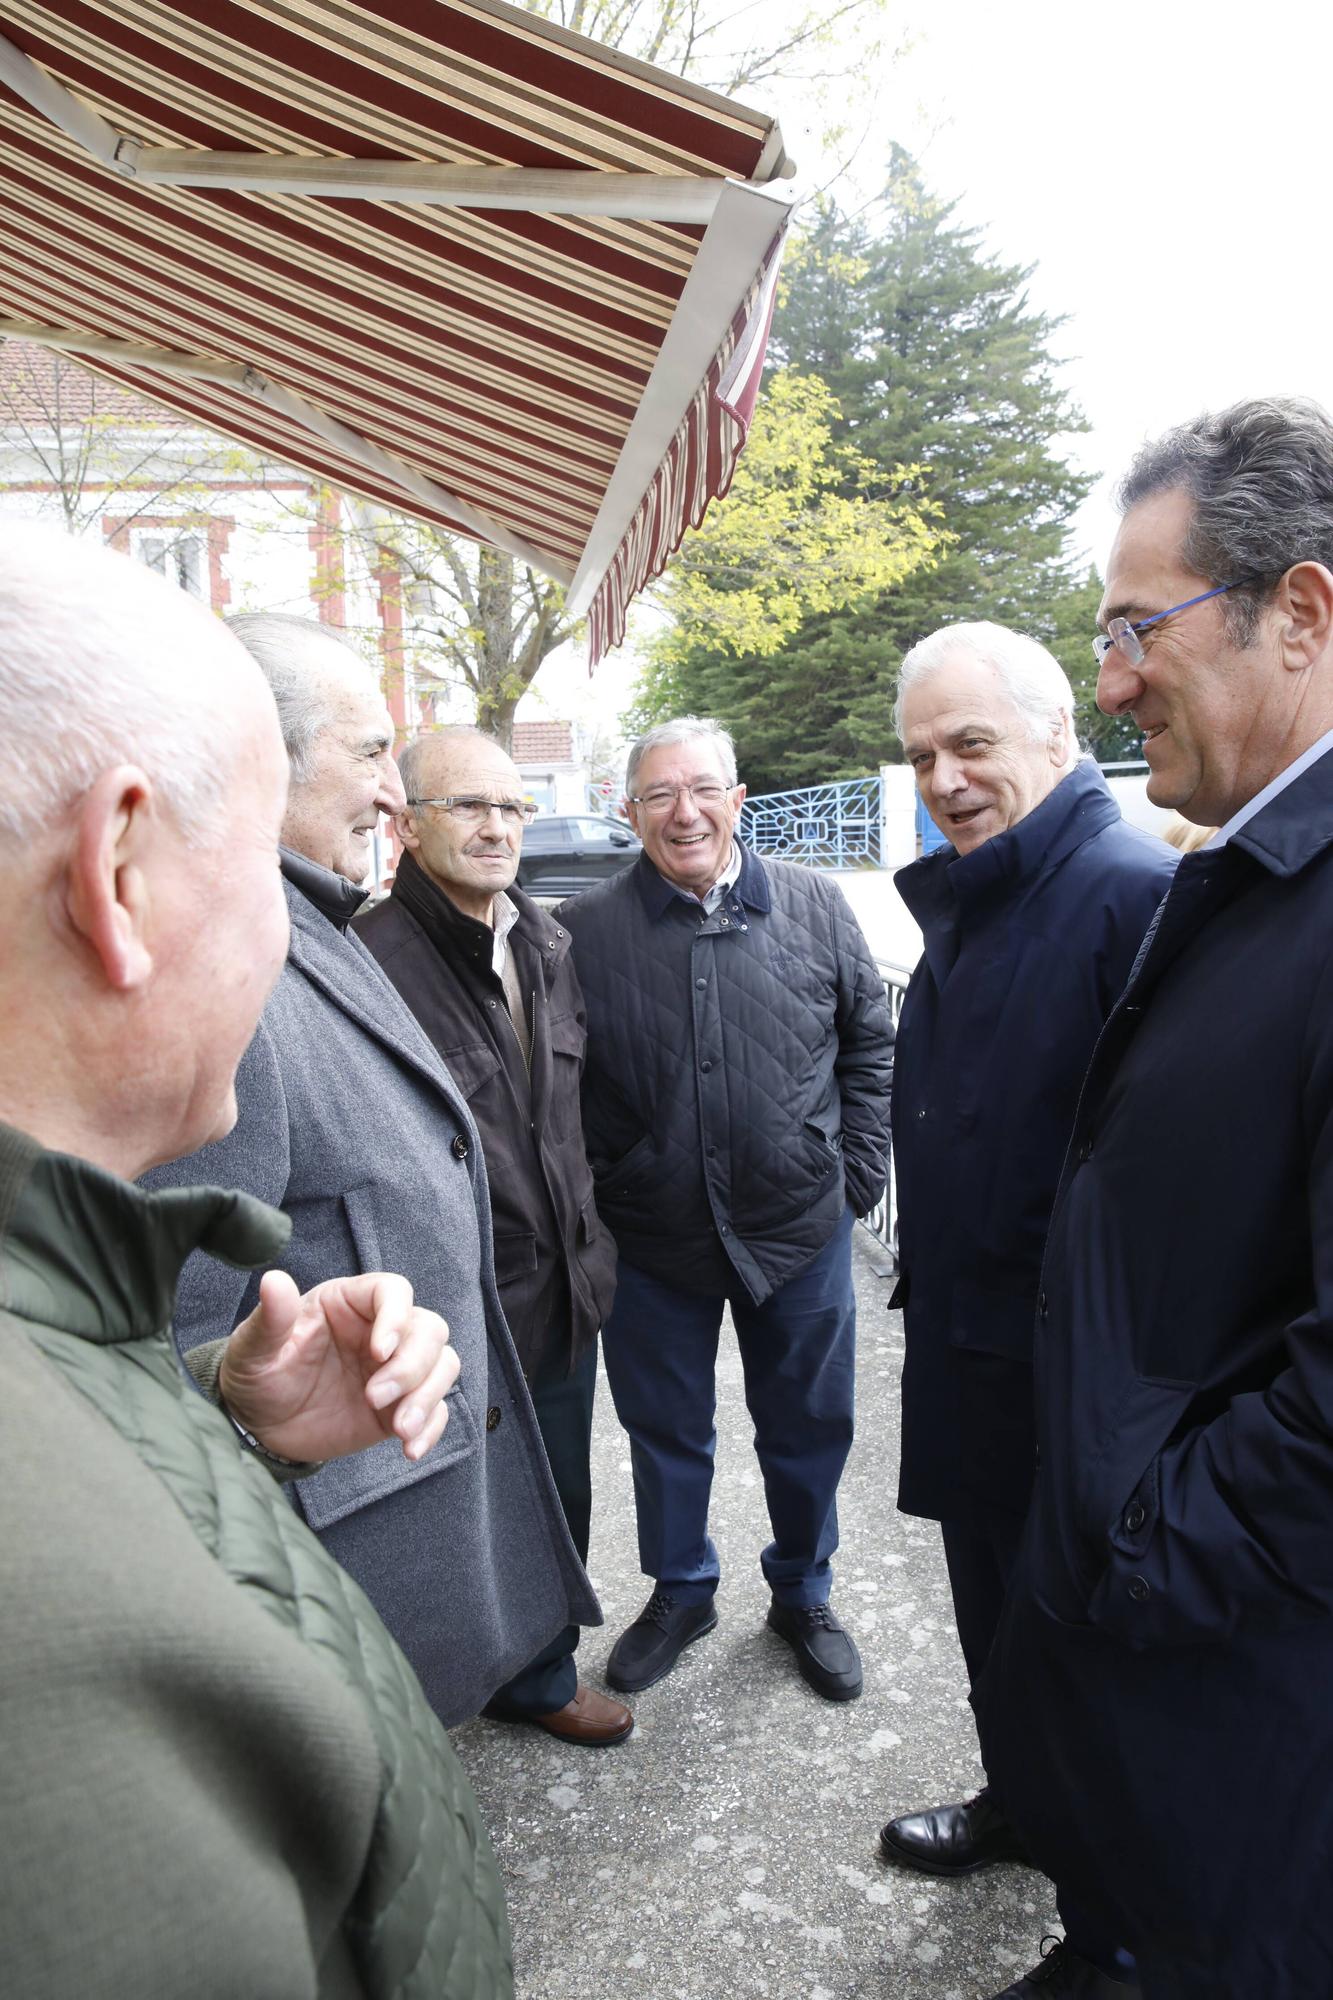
(825, 1650)
(647, 1650)
(1064, 1974)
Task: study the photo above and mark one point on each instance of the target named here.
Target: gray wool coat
(350, 1123)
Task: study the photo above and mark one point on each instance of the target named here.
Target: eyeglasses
(662, 798)
(474, 812)
(1124, 634)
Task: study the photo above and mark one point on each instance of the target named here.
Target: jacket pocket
(515, 1256)
(625, 1174)
(569, 1039)
(472, 1066)
(366, 1476)
(1099, 1487)
(1135, 1435)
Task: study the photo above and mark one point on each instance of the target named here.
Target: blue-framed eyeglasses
(1124, 635)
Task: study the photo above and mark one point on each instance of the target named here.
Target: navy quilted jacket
(736, 1094)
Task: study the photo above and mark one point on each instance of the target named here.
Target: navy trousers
(798, 1353)
(563, 1406)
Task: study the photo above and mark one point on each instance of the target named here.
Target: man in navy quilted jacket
(736, 1109)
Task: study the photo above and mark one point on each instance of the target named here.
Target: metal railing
(882, 1221)
(824, 826)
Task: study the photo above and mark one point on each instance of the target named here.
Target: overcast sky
(1166, 166)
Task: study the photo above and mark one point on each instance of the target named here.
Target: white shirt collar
(726, 880)
(1271, 790)
(504, 915)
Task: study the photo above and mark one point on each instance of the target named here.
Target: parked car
(565, 853)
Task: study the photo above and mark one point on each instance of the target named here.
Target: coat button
(459, 1149)
(724, 1229)
(493, 1417)
(1139, 1589)
(705, 1067)
(921, 1113)
(1134, 1518)
(701, 984)
(1041, 1306)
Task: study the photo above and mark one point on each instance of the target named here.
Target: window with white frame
(178, 554)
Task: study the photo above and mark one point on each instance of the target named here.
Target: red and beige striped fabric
(501, 354)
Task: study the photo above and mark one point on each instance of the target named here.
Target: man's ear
(107, 900)
(1304, 603)
(406, 823)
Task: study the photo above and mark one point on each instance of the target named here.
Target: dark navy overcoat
(1028, 942)
(1158, 1710)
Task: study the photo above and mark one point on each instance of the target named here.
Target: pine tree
(937, 360)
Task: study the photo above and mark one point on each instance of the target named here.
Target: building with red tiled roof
(544, 743)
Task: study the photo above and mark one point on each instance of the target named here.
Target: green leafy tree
(810, 530)
(1069, 634)
(937, 361)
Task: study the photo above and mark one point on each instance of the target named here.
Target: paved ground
(727, 1851)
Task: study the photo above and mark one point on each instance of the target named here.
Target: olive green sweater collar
(95, 1256)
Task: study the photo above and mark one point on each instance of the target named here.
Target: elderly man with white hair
(221, 1777)
(351, 1123)
(1031, 918)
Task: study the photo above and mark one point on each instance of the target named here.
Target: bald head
(142, 783)
(469, 853)
(339, 739)
(102, 662)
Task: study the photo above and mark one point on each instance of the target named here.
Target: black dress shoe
(825, 1651)
(953, 1840)
(647, 1650)
(1064, 1974)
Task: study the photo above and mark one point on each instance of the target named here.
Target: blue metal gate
(827, 826)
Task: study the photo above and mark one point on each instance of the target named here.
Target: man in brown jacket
(490, 978)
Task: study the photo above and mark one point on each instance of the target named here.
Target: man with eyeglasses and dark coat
(1156, 1710)
(736, 1107)
(490, 978)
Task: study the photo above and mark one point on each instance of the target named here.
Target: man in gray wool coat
(351, 1124)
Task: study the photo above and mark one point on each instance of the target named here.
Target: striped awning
(439, 253)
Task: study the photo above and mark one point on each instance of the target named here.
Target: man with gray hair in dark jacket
(1031, 918)
(490, 978)
(736, 1108)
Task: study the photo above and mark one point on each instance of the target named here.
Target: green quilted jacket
(221, 1777)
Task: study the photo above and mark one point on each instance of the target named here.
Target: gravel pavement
(728, 1849)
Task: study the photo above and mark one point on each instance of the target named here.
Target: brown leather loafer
(591, 1718)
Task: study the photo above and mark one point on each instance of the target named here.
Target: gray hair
(1032, 678)
(413, 755)
(305, 664)
(683, 730)
(1261, 478)
(104, 663)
